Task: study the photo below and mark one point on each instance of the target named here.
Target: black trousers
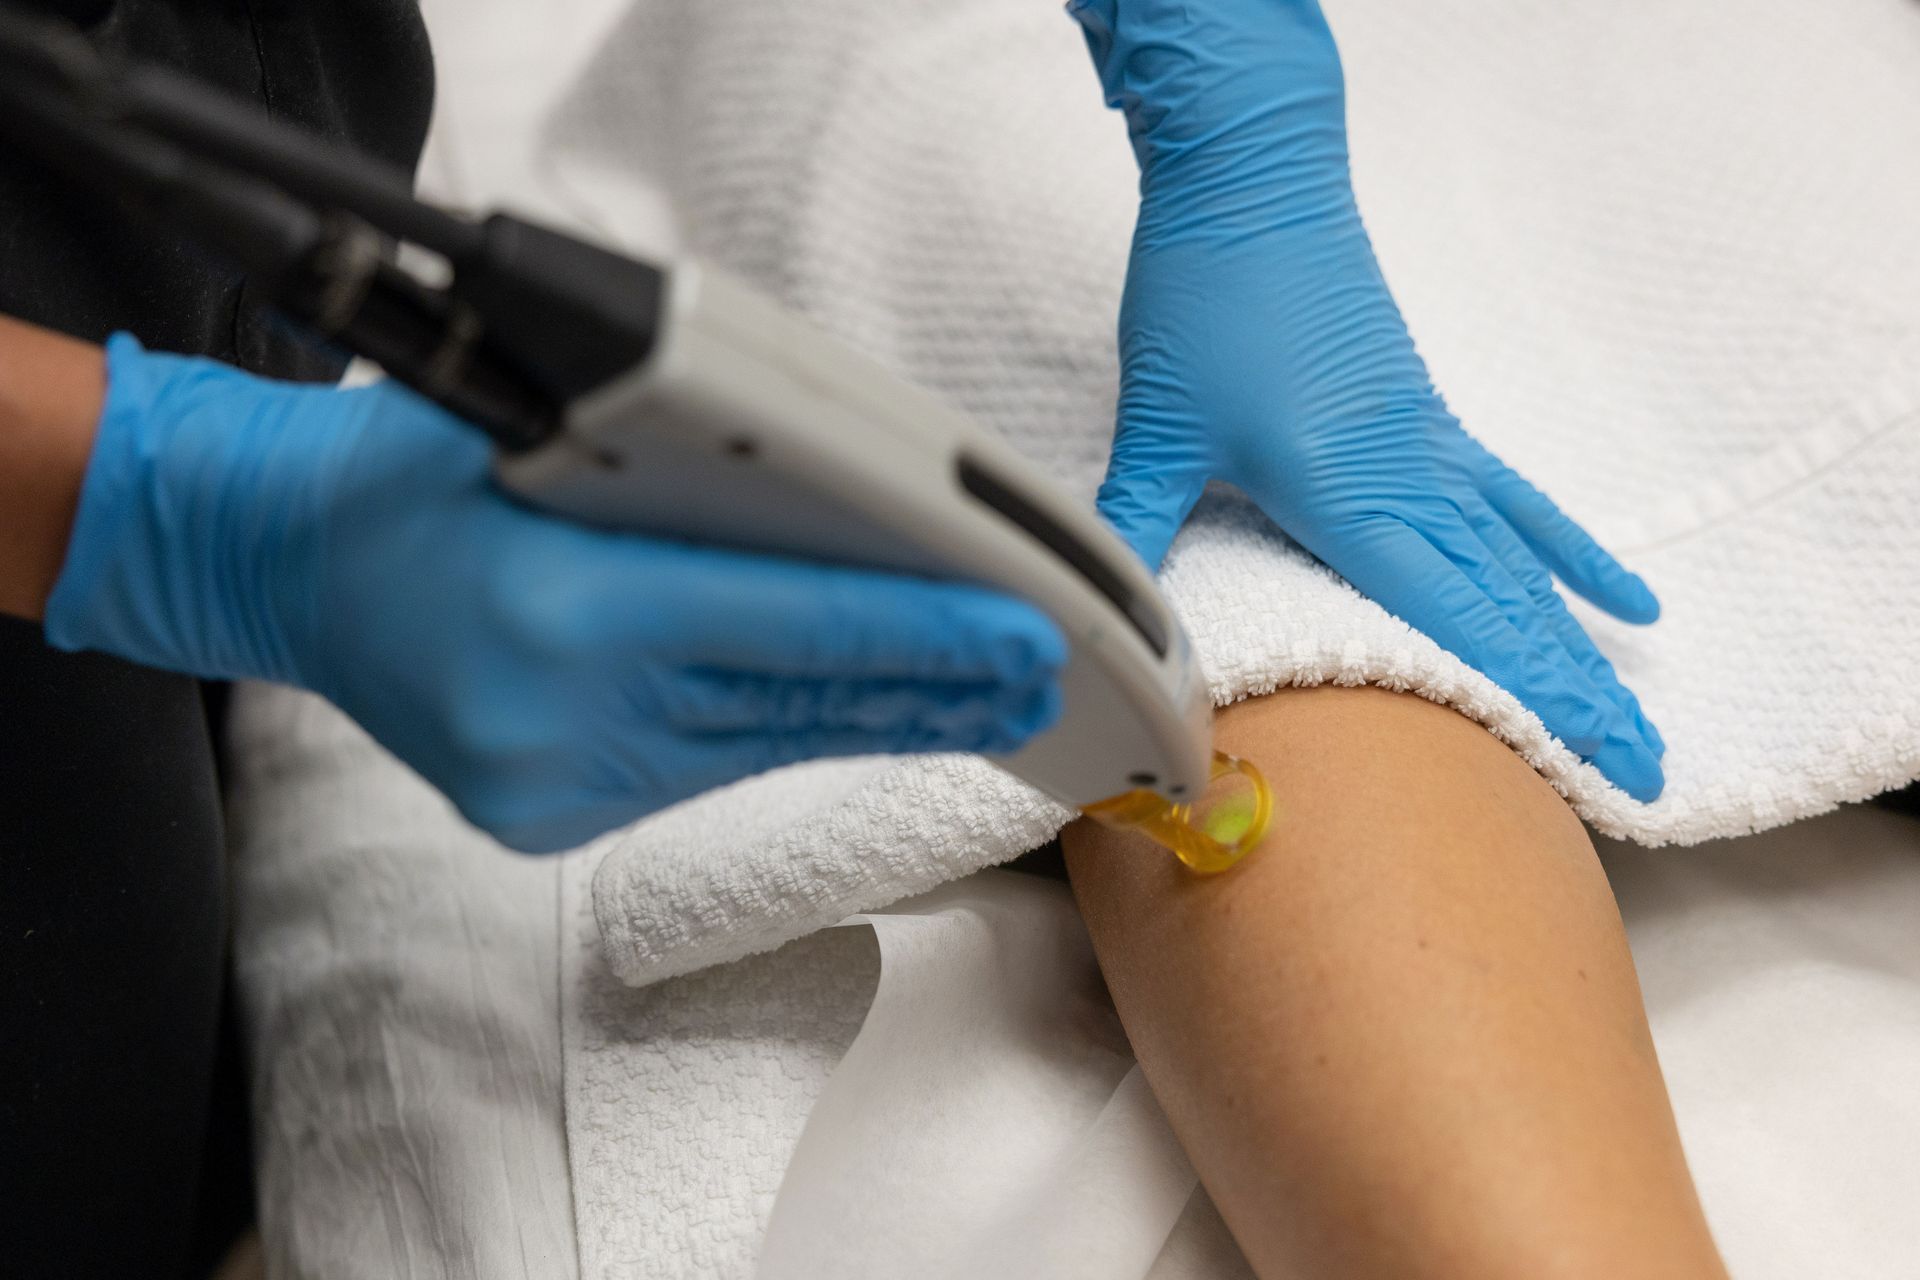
(112, 936)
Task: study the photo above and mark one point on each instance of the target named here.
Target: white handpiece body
(747, 427)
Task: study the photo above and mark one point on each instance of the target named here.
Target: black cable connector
(532, 321)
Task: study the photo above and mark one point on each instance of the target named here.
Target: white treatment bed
(453, 1080)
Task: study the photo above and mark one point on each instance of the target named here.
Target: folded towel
(1661, 258)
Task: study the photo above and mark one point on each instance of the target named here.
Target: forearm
(1405, 1037)
(51, 390)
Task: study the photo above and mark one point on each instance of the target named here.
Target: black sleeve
(354, 71)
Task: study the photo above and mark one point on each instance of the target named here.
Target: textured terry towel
(1662, 257)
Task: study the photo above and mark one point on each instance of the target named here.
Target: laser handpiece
(670, 398)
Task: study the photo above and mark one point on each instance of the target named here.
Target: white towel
(1661, 257)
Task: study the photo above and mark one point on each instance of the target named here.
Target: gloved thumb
(1146, 497)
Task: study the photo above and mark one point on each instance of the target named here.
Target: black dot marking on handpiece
(1143, 779)
(743, 448)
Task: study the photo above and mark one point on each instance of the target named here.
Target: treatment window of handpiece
(670, 398)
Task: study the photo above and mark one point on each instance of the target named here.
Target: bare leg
(1405, 1037)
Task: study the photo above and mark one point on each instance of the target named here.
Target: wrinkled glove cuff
(1231, 88)
(168, 564)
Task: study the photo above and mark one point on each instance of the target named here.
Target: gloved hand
(1260, 345)
(554, 681)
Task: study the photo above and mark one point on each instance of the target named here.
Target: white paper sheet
(989, 1120)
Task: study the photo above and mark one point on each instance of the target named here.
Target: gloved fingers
(1623, 754)
(1649, 731)
(1398, 567)
(546, 819)
(543, 820)
(1388, 561)
(1552, 611)
(1566, 548)
(736, 612)
(730, 756)
(1503, 576)
(559, 828)
(1146, 498)
(731, 702)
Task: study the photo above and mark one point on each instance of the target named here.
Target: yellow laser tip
(1210, 835)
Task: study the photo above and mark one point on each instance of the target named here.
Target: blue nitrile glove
(554, 681)
(1260, 345)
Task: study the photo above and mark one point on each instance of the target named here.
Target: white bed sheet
(1782, 977)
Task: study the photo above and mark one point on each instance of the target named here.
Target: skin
(51, 391)
(1404, 1038)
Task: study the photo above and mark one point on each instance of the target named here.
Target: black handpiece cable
(533, 319)
(328, 271)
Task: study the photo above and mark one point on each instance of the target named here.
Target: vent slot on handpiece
(988, 488)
